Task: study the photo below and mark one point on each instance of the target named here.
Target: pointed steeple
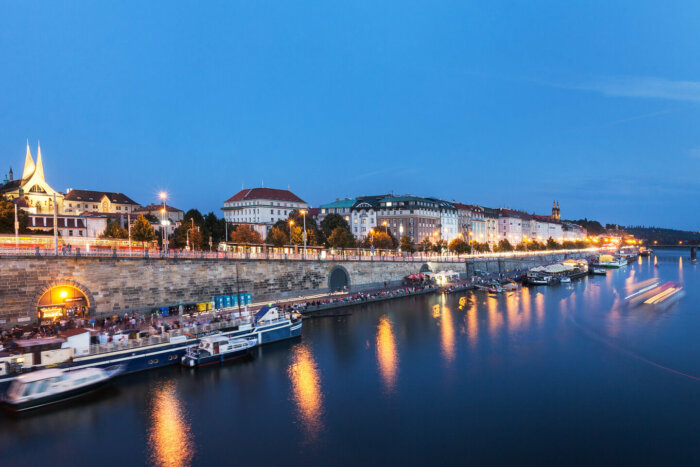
(28, 164)
(39, 172)
(12, 175)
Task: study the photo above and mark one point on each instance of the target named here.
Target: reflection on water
(472, 322)
(447, 335)
(495, 318)
(306, 388)
(539, 307)
(387, 356)
(680, 269)
(170, 440)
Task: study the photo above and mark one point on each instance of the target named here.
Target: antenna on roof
(262, 184)
(242, 186)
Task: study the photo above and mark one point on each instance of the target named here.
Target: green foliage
(244, 234)
(192, 223)
(215, 227)
(114, 230)
(314, 236)
(425, 245)
(331, 222)
(553, 244)
(459, 246)
(142, 230)
(152, 218)
(341, 237)
(407, 244)
(592, 227)
(439, 246)
(481, 247)
(503, 246)
(7, 217)
(277, 237)
(382, 241)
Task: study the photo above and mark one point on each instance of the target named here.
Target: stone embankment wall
(136, 284)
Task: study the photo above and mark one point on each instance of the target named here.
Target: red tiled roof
(95, 196)
(265, 193)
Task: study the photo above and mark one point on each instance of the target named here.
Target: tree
(382, 241)
(503, 246)
(297, 235)
(331, 222)
(114, 230)
(425, 244)
(151, 218)
(439, 246)
(198, 241)
(407, 244)
(522, 246)
(459, 246)
(341, 237)
(277, 237)
(244, 234)
(215, 227)
(7, 217)
(314, 236)
(481, 247)
(142, 230)
(552, 244)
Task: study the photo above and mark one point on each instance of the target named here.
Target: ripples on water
(534, 375)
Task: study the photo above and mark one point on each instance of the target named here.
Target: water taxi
(52, 386)
(216, 349)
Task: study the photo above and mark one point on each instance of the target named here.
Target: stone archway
(68, 290)
(338, 279)
(425, 268)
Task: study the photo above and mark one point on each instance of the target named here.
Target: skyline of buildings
(84, 213)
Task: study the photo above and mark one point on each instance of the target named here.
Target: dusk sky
(504, 104)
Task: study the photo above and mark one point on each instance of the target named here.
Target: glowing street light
(386, 227)
(291, 225)
(303, 213)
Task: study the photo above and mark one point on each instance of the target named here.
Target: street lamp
(386, 227)
(163, 196)
(291, 225)
(303, 213)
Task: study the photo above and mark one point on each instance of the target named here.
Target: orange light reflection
(387, 356)
(169, 436)
(306, 389)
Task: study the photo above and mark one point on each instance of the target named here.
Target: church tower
(556, 212)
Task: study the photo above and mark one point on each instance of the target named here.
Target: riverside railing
(228, 255)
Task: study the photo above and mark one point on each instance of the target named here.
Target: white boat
(217, 348)
(610, 261)
(46, 387)
(565, 280)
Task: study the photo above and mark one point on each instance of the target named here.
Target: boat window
(41, 386)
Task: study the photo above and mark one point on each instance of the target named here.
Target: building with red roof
(261, 207)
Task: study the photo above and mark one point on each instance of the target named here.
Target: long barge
(267, 325)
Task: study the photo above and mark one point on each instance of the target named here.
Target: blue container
(234, 300)
(219, 301)
(227, 301)
(164, 311)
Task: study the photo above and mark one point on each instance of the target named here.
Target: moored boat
(610, 261)
(53, 386)
(599, 272)
(216, 349)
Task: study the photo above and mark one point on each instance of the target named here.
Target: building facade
(79, 201)
(31, 192)
(419, 218)
(261, 207)
(363, 217)
(342, 207)
(491, 225)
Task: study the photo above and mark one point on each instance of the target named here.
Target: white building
(449, 221)
(261, 207)
(363, 216)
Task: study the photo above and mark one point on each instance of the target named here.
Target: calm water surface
(564, 374)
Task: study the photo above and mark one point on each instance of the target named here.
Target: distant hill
(592, 227)
(664, 236)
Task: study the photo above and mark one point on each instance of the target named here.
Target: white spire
(39, 171)
(28, 164)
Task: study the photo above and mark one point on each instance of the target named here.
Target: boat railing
(164, 338)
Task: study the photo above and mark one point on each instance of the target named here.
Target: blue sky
(595, 104)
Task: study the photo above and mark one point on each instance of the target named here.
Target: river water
(565, 374)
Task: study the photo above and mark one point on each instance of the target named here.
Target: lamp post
(303, 213)
(386, 227)
(291, 226)
(164, 196)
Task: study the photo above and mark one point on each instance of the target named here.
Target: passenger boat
(610, 261)
(217, 349)
(599, 272)
(267, 325)
(510, 287)
(565, 280)
(47, 387)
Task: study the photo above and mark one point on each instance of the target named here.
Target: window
(272, 211)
